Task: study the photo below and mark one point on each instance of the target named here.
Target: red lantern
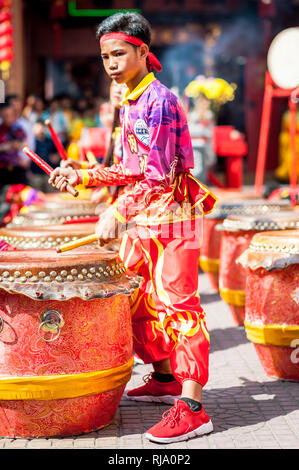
(6, 55)
(5, 15)
(6, 40)
(6, 28)
(5, 3)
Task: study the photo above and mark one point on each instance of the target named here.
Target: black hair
(89, 107)
(5, 105)
(62, 96)
(10, 98)
(133, 24)
(54, 98)
(39, 97)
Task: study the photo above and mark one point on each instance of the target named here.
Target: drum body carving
(237, 233)
(65, 339)
(272, 301)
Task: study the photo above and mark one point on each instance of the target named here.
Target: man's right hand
(61, 177)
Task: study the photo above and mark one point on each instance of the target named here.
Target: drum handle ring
(52, 318)
(1, 324)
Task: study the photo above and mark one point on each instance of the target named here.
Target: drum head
(84, 273)
(261, 222)
(282, 59)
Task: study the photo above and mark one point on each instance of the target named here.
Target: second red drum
(237, 233)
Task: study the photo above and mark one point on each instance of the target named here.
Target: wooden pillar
(16, 81)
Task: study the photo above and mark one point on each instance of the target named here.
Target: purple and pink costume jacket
(157, 156)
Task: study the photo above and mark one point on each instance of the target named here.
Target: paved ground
(248, 409)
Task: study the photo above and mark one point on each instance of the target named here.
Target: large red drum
(272, 301)
(65, 340)
(50, 236)
(237, 232)
(57, 211)
(210, 248)
(211, 239)
(54, 204)
(49, 216)
(45, 236)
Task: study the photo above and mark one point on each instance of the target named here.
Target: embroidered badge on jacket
(142, 132)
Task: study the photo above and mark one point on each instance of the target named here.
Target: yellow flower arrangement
(215, 89)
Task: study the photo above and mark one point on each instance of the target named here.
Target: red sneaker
(154, 391)
(180, 424)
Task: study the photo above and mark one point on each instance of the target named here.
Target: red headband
(151, 58)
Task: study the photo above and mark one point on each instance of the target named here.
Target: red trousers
(168, 320)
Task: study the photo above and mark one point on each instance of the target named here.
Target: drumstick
(79, 242)
(56, 140)
(91, 157)
(47, 168)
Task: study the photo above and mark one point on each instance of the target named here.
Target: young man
(164, 199)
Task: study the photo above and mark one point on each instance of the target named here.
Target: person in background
(201, 124)
(29, 105)
(88, 116)
(12, 140)
(37, 110)
(114, 154)
(45, 148)
(88, 94)
(106, 114)
(24, 123)
(57, 117)
(66, 104)
(81, 105)
(82, 118)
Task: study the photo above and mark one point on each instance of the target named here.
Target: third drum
(237, 232)
(272, 301)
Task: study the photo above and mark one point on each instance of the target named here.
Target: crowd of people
(23, 123)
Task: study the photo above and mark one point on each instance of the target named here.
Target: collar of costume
(152, 61)
(141, 87)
